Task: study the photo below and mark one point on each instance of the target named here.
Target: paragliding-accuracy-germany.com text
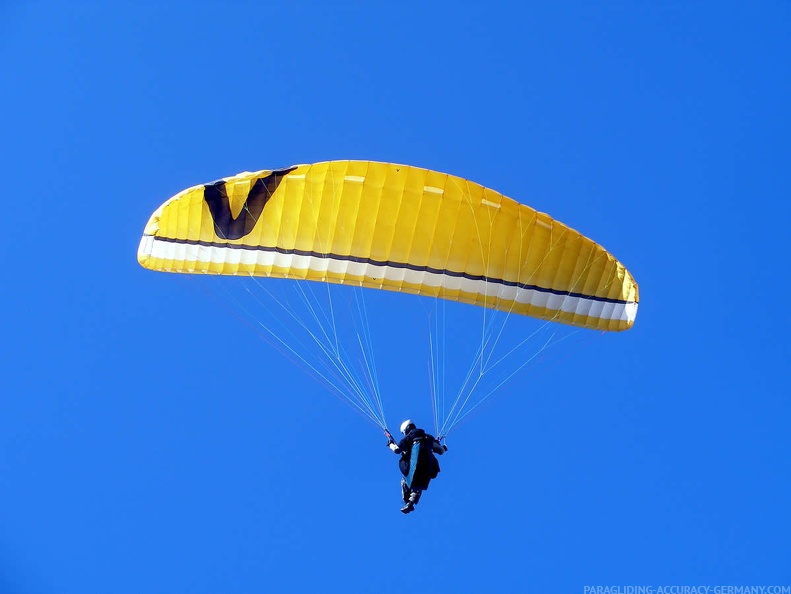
(687, 590)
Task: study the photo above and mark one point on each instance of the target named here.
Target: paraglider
(397, 228)
(418, 464)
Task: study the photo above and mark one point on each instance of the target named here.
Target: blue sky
(135, 457)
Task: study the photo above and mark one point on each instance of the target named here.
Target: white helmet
(406, 426)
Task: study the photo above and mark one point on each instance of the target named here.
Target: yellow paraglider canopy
(394, 227)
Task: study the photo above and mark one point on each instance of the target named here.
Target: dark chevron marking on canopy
(392, 264)
(225, 225)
